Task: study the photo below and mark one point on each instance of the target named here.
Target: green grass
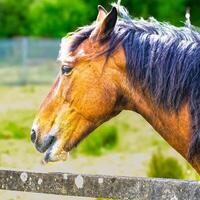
(99, 141)
(165, 166)
(16, 124)
(12, 75)
(17, 110)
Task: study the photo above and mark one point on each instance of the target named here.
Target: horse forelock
(161, 58)
(71, 43)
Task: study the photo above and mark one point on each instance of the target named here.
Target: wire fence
(28, 60)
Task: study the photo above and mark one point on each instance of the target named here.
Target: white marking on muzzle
(54, 130)
(56, 152)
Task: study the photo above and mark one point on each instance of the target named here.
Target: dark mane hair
(163, 59)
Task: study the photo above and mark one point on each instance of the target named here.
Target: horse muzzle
(48, 145)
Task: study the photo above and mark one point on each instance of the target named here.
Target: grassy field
(126, 145)
(35, 73)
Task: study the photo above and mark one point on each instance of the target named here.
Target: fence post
(24, 68)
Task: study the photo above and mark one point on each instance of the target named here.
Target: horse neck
(174, 127)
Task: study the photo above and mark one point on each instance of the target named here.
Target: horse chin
(57, 151)
(53, 154)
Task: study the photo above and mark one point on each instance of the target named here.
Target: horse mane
(163, 59)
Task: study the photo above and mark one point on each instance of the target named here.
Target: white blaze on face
(56, 91)
(65, 51)
(81, 52)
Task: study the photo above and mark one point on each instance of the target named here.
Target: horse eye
(66, 70)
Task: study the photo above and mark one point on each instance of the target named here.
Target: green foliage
(13, 18)
(16, 124)
(161, 166)
(102, 139)
(54, 18)
(173, 11)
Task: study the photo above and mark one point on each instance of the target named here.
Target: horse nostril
(33, 135)
(47, 142)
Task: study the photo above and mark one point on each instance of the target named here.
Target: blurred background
(30, 33)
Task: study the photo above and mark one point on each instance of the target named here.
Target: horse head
(87, 91)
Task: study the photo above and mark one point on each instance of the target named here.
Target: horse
(119, 63)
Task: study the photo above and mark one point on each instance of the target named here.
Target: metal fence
(28, 60)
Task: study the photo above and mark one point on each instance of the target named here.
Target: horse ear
(106, 26)
(101, 13)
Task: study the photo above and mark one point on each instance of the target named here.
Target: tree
(54, 18)
(13, 18)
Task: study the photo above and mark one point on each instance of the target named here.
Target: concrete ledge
(99, 186)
